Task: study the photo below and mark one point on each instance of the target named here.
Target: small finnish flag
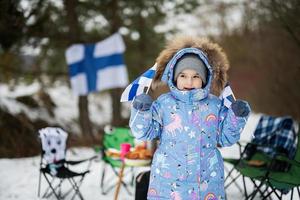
(138, 85)
(97, 67)
(227, 96)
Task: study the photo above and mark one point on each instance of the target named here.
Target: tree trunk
(115, 93)
(84, 119)
(141, 42)
(74, 35)
(116, 106)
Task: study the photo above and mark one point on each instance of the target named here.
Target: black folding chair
(56, 169)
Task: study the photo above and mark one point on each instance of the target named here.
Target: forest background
(260, 37)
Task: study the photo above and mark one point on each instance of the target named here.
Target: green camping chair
(262, 171)
(281, 183)
(265, 180)
(113, 138)
(248, 171)
(241, 169)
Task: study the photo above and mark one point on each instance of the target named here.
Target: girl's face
(188, 79)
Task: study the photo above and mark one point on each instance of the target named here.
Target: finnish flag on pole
(97, 67)
(138, 85)
(227, 96)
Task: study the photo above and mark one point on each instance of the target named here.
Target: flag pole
(228, 85)
(148, 88)
(136, 114)
(233, 97)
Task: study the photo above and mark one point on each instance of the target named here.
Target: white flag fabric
(138, 85)
(97, 67)
(227, 96)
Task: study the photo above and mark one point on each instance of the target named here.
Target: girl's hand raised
(142, 102)
(240, 108)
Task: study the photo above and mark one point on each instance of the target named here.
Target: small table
(129, 163)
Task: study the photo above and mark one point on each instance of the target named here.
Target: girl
(189, 121)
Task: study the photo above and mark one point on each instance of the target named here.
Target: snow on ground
(19, 177)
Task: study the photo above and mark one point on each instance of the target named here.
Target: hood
(211, 53)
(168, 77)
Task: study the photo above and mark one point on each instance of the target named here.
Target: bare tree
(74, 35)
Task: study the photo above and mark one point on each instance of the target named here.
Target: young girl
(189, 121)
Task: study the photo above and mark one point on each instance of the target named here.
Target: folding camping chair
(55, 168)
(113, 138)
(262, 161)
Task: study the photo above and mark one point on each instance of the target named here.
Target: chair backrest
(276, 134)
(53, 141)
(115, 136)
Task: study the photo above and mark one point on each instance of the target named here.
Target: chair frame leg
(253, 194)
(245, 188)
(273, 190)
(104, 191)
(52, 188)
(102, 180)
(39, 186)
(78, 184)
(47, 194)
(123, 183)
(233, 182)
(76, 189)
(292, 193)
(56, 189)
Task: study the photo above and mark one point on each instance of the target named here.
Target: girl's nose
(189, 81)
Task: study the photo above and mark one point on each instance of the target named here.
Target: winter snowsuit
(189, 124)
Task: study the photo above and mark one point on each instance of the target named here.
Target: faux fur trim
(216, 56)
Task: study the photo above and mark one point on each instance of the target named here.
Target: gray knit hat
(191, 61)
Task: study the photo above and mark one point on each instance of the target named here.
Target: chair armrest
(73, 162)
(286, 159)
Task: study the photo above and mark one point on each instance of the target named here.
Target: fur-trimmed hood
(215, 54)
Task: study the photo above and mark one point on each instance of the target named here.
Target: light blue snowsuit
(189, 124)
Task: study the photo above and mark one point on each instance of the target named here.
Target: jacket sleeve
(230, 127)
(146, 125)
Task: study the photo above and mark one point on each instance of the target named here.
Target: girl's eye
(196, 76)
(181, 75)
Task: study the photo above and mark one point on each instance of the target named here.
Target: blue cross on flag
(97, 67)
(227, 96)
(138, 85)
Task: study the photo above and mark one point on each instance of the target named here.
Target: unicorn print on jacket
(174, 125)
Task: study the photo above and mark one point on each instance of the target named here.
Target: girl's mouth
(188, 89)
